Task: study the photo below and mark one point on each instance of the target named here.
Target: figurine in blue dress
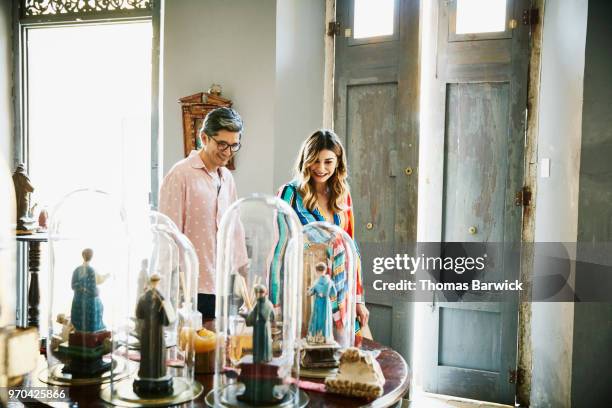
(320, 327)
(87, 308)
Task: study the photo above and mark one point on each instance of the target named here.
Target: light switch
(545, 167)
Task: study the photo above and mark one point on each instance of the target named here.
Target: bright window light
(373, 18)
(89, 93)
(480, 16)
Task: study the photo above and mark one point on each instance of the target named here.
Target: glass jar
(258, 278)
(328, 298)
(158, 332)
(89, 256)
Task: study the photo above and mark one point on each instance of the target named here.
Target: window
(373, 18)
(480, 16)
(89, 93)
(86, 94)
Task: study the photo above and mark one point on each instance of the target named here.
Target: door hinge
(531, 16)
(333, 28)
(523, 197)
(515, 376)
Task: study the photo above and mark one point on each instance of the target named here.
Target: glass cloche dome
(258, 316)
(328, 298)
(90, 253)
(158, 330)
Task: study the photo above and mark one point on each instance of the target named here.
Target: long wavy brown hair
(323, 139)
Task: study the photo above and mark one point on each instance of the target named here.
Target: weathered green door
(482, 53)
(376, 115)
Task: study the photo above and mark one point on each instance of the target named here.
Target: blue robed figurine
(320, 327)
(87, 308)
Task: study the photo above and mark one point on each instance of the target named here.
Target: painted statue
(23, 190)
(320, 328)
(87, 309)
(152, 315)
(260, 319)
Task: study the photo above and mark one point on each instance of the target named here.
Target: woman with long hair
(320, 192)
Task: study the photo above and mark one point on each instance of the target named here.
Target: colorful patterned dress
(345, 220)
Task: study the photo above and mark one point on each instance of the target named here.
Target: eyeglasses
(223, 146)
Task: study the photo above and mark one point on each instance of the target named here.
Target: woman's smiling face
(323, 167)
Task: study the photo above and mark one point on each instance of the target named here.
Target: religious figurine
(87, 308)
(23, 189)
(260, 319)
(320, 330)
(89, 341)
(261, 376)
(154, 313)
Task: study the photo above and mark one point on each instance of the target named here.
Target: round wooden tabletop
(397, 382)
(394, 368)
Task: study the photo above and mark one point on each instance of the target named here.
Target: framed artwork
(194, 109)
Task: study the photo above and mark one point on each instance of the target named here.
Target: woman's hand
(363, 314)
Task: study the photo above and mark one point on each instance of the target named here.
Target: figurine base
(319, 356)
(228, 398)
(124, 395)
(260, 381)
(148, 388)
(55, 375)
(78, 368)
(82, 354)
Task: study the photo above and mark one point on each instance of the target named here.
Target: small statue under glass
(87, 343)
(320, 329)
(260, 376)
(320, 346)
(153, 313)
(260, 319)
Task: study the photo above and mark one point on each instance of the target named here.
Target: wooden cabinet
(194, 109)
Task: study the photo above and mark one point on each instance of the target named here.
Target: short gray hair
(221, 119)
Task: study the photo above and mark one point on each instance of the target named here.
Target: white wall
(6, 81)
(269, 58)
(300, 61)
(556, 214)
(231, 43)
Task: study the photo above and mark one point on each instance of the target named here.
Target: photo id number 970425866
(34, 394)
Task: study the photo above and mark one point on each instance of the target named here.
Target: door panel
(370, 137)
(475, 160)
(484, 75)
(469, 339)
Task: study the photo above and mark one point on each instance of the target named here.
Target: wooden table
(394, 368)
(32, 243)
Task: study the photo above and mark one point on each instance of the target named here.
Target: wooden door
(472, 345)
(375, 113)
